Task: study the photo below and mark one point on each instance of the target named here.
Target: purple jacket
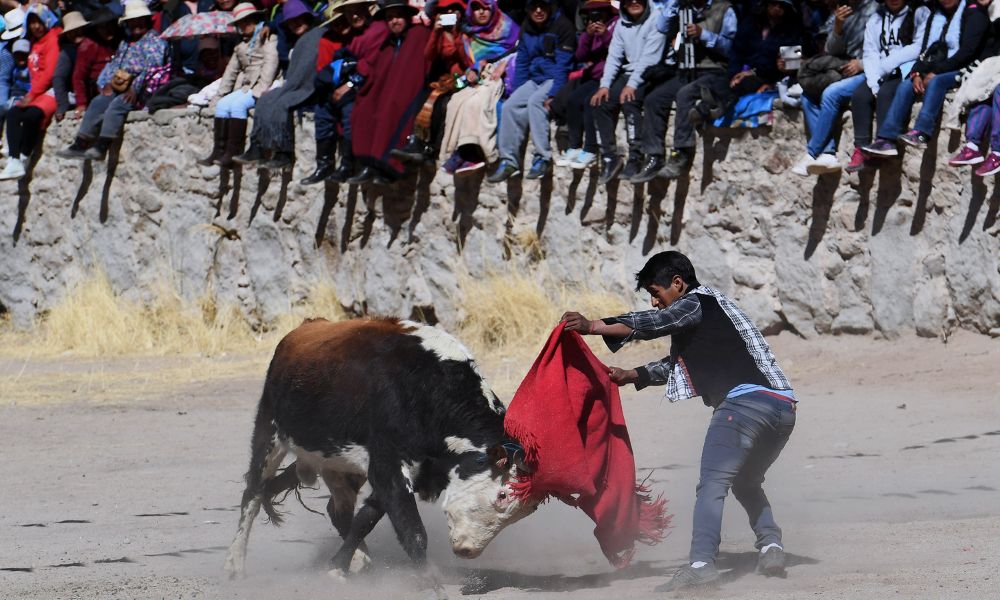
(594, 50)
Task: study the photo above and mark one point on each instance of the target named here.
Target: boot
(253, 155)
(346, 168)
(218, 142)
(77, 149)
(236, 134)
(324, 162)
(99, 151)
(415, 150)
(678, 163)
(365, 175)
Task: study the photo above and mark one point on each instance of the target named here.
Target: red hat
(598, 5)
(443, 4)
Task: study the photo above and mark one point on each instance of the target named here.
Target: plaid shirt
(683, 314)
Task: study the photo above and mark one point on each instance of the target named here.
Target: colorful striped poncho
(494, 40)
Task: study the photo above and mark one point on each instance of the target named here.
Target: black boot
(680, 161)
(365, 175)
(218, 144)
(236, 134)
(77, 150)
(324, 162)
(611, 166)
(346, 169)
(253, 155)
(649, 169)
(99, 151)
(632, 167)
(415, 150)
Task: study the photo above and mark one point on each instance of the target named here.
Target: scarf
(272, 123)
(567, 415)
(491, 41)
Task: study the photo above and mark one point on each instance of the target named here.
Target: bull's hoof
(360, 563)
(234, 568)
(337, 575)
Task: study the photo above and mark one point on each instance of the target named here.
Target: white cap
(21, 45)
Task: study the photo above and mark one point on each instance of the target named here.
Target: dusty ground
(120, 480)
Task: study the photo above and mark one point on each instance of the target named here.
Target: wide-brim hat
(590, 5)
(136, 9)
(789, 3)
(14, 23)
(101, 16)
(73, 20)
(293, 9)
(404, 4)
(242, 11)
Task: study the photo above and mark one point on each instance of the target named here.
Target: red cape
(568, 416)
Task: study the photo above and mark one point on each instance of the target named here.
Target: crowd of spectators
(396, 84)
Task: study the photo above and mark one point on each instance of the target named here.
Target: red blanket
(568, 416)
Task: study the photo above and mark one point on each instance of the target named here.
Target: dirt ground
(120, 479)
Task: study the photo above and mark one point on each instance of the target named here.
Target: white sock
(698, 564)
(769, 546)
(972, 146)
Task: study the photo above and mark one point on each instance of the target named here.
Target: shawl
(390, 99)
(272, 123)
(491, 41)
(567, 415)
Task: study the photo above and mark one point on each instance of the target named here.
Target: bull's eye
(502, 496)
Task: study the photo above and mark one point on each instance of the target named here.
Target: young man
(716, 353)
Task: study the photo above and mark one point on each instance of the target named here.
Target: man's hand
(693, 31)
(130, 96)
(78, 112)
(576, 322)
(599, 97)
(839, 16)
(918, 84)
(628, 94)
(623, 376)
(339, 92)
(265, 32)
(471, 77)
(927, 79)
(107, 91)
(548, 104)
(735, 81)
(852, 68)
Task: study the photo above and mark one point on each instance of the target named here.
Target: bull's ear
(498, 456)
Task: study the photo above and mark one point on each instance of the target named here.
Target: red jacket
(42, 63)
(90, 60)
(446, 53)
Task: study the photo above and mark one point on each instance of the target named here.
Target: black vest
(715, 355)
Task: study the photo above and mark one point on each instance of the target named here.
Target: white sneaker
(566, 157)
(13, 170)
(802, 168)
(583, 160)
(823, 164)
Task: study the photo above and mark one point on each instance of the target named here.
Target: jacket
(891, 43)
(718, 22)
(635, 46)
(593, 51)
(253, 66)
(91, 57)
(850, 44)
(446, 53)
(545, 52)
(42, 63)
(137, 58)
(965, 34)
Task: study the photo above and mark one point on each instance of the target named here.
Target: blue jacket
(545, 52)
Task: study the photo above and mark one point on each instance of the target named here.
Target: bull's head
(479, 500)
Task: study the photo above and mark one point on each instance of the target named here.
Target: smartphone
(792, 56)
(448, 19)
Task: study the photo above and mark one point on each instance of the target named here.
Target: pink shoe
(966, 156)
(857, 161)
(991, 166)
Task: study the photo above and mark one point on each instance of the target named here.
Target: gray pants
(525, 108)
(105, 117)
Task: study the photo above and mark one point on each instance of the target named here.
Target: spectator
(544, 56)
(469, 139)
(844, 44)
(28, 119)
(272, 125)
(388, 100)
(249, 74)
(337, 85)
(635, 46)
(711, 32)
(92, 55)
(890, 48)
(951, 39)
(122, 83)
(572, 103)
(72, 34)
(982, 118)
(15, 79)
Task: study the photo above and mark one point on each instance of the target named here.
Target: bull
(400, 405)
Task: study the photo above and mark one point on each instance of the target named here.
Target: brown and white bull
(398, 404)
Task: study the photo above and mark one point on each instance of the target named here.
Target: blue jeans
(898, 116)
(329, 114)
(821, 117)
(235, 105)
(744, 438)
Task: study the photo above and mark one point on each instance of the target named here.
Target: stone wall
(915, 248)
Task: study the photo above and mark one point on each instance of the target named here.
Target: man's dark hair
(661, 269)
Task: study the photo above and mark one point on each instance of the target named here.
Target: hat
(21, 45)
(789, 3)
(72, 21)
(243, 10)
(44, 14)
(294, 8)
(399, 4)
(14, 20)
(598, 5)
(208, 42)
(443, 4)
(102, 15)
(135, 9)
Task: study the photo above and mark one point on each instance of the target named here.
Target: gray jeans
(525, 108)
(105, 117)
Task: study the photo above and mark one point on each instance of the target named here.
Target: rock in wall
(914, 246)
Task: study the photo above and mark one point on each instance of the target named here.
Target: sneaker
(584, 160)
(881, 147)
(771, 562)
(801, 168)
(539, 168)
(468, 166)
(504, 171)
(967, 156)
(567, 157)
(678, 163)
(610, 168)
(632, 168)
(76, 151)
(990, 166)
(452, 164)
(823, 164)
(13, 170)
(688, 576)
(649, 170)
(915, 138)
(858, 161)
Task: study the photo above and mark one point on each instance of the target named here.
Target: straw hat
(135, 9)
(14, 20)
(243, 10)
(72, 21)
(337, 8)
